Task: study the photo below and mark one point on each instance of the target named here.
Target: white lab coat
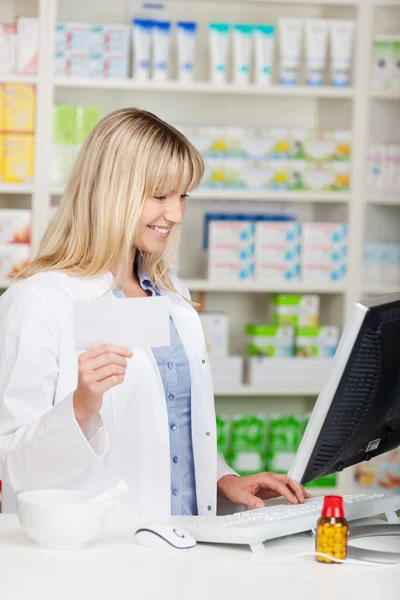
(41, 443)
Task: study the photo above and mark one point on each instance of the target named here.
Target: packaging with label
(13, 258)
(270, 340)
(112, 39)
(284, 437)
(392, 179)
(317, 342)
(324, 252)
(64, 146)
(27, 45)
(296, 310)
(320, 145)
(372, 264)
(18, 158)
(248, 443)
(86, 117)
(396, 65)
(1, 157)
(278, 250)
(316, 176)
(15, 226)
(73, 37)
(377, 168)
(231, 250)
(227, 371)
(390, 263)
(1, 106)
(19, 108)
(8, 38)
(215, 327)
(382, 62)
(381, 474)
(224, 435)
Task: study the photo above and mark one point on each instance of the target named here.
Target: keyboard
(259, 525)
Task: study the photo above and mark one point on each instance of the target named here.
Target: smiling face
(161, 213)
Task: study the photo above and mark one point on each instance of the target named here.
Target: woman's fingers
(104, 349)
(100, 374)
(105, 359)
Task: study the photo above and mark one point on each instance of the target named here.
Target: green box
(382, 63)
(284, 437)
(224, 435)
(86, 118)
(64, 125)
(301, 310)
(248, 443)
(317, 342)
(270, 340)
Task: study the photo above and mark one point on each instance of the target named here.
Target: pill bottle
(332, 530)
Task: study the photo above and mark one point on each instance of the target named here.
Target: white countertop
(114, 567)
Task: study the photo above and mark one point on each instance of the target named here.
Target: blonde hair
(129, 156)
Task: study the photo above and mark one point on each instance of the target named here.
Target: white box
(324, 233)
(27, 45)
(231, 250)
(278, 250)
(227, 371)
(67, 64)
(215, 327)
(372, 264)
(110, 39)
(73, 37)
(13, 258)
(288, 373)
(324, 252)
(377, 167)
(8, 45)
(15, 226)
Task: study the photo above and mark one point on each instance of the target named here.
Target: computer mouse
(164, 536)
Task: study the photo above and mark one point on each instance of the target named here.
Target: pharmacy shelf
(205, 87)
(258, 195)
(384, 200)
(385, 95)
(250, 391)
(205, 285)
(32, 79)
(16, 188)
(379, 290)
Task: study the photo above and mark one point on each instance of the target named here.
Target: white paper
(129, 322)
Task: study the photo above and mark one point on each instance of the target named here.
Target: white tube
(186, 34)
(264, 37)
(342, 35)
(290, 35)
(161, 37)
(242, 45)
(219, 41)
(316, 47)
(141, 33)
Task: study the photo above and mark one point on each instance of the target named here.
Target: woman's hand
(99, 369)
(254, 489)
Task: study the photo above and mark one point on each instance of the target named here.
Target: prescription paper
(129, 322)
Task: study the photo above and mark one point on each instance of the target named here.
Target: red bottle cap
(333, 507)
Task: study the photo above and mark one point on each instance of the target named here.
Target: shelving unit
(204, 103)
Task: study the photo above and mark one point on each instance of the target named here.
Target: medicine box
(248, 443)
(278, 250)
(324, 252)
(296, 310)
(8, 44)
(19, 108)
(382, 63)
(231, 250)
(316, 342)
(73, 37)
(284, 437)
(18, 158)
(13, 258)
(1, 157)
(317, 176)
(215, 327)
(224, 435)
(27, 45)
(15, 226)
(320, 145)
(227, 371)
(112, 39)
(270, 340)
(309, 373)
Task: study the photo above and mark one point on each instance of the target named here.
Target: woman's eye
(184, 197)
(160, 197)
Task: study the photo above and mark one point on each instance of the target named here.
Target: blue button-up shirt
(174, 369)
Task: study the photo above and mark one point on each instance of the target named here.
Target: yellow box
(18, 158)
(19, 108)
(1, 157)
(1, 106)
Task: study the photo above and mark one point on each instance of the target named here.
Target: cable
(351, 561)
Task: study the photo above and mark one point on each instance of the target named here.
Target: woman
(147, 416)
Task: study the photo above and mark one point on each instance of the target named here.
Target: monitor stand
(366, 531)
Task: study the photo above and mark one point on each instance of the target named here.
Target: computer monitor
(357, 414)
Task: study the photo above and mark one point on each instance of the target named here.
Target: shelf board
(205, 87)
(205, 285)
(381, 95)
(384, 200)
(248, 390)
(258, 195)
(18, 79)
(379, 290)
(16, 188)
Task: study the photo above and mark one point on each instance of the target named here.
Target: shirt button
(175, 492)
(175, 459)
(203, 361)
(170, 365)
(209, 507)
(171, 396)
(172, 426)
